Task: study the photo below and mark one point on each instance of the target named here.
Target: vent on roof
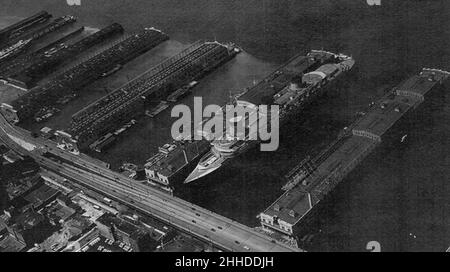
(276, 207)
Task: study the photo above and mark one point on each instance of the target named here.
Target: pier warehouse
(333, 165)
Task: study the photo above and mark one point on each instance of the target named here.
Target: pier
(21, 62)
(129, 101)
(81, 74)
(311, 182)
(44, 66)
(15, 30)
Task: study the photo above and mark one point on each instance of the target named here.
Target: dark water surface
(396, 195)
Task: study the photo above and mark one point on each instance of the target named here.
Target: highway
(202, 223)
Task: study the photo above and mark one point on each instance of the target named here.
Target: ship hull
(314, 91)
(201, 171)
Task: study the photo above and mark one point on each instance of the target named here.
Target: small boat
(192, 84)
(112, 71)
(125, 127)
(173, 97)
(403, 138)
(103, 142)
(158, 109)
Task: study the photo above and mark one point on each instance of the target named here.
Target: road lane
(186, 216)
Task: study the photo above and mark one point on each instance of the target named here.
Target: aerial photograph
(212, 127)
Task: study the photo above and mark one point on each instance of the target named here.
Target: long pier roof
(344, 154)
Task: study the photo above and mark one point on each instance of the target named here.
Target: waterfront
(389, 197)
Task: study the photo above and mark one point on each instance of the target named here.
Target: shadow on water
(250, 182)
(397, 196)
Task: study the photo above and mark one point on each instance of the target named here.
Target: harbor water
(398, 197)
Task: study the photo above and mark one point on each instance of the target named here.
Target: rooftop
(19, 169)
(41, 195)
(344, 154)
(124, 226)
(291, 206)
(8, 243)
(263, 92)
(170, 163)
(384, 114)
(423, 82)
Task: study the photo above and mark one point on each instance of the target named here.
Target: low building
(42, 196)
(172, 161)
(130, 233)
(19, 168)
(11, 156)
(284, 214)
(105, 227)
(82, 243)
(295, 206)
(46, 132)
(20, 177)
(60, 211)
(10, 239)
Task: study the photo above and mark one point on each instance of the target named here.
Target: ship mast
(231, 98)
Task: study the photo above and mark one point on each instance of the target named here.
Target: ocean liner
(292, 86)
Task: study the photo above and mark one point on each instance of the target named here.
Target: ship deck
(177, 159)
(263, 92)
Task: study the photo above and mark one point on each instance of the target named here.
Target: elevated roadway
(219, 230)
